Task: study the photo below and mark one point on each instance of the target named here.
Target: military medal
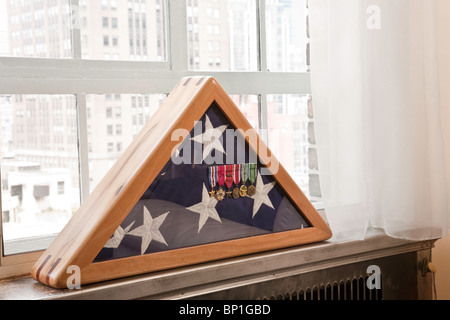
(212, 177)
(244, 175)
(237, 179)
(220, 193)
(252, 177)
(229, 168)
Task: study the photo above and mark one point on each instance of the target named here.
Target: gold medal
(243, 191)
(236, 193)
(244, 177)
(237, 180)
(229, 168)
(212, 177)
(251, 191)
(220, 194)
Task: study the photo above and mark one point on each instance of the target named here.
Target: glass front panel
(213, 189)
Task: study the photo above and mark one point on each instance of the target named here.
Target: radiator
(400, 278)
(350, 289)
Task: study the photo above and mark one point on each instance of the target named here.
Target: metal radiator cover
(349, 282)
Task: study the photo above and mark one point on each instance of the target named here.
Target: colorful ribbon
(244, 172)
(237, 174)
(229, 168)
(252, 173)
(220, 175)
(212, 175)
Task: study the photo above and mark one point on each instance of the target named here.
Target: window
(40, 186)
(69, 127)
(118, 129)
(237, 28)
(118, 112)
(61, 189)
(287, 135)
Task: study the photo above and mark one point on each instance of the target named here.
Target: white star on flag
(206, 209)
(261, 195)
(117, 238)
(210, 138)
(150, 230)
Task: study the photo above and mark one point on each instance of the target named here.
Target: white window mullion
(75, 30)
(83, 158)
(261, 14)
(263, 121)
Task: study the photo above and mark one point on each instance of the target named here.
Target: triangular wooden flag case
(155, 208)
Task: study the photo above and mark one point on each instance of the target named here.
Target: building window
(118, 112)
(114, 23)
(61, 187)
(109, 130)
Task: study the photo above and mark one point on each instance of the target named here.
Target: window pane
(249, 106)
(288, 135)
(39, 166)
(35, 28)
(222, 35)
(114, 120)
(123, 30)
(286, 35)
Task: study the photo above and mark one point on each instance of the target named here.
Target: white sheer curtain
(375, 90)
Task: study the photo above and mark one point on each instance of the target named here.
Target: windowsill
(31, 244)
(219, 275)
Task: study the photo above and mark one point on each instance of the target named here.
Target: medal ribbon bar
(229, 176)
(237, 174)
(252, 173)
(212, 177)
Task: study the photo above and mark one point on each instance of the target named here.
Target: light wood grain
(121, 188)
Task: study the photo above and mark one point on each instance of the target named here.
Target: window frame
(79, 77)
